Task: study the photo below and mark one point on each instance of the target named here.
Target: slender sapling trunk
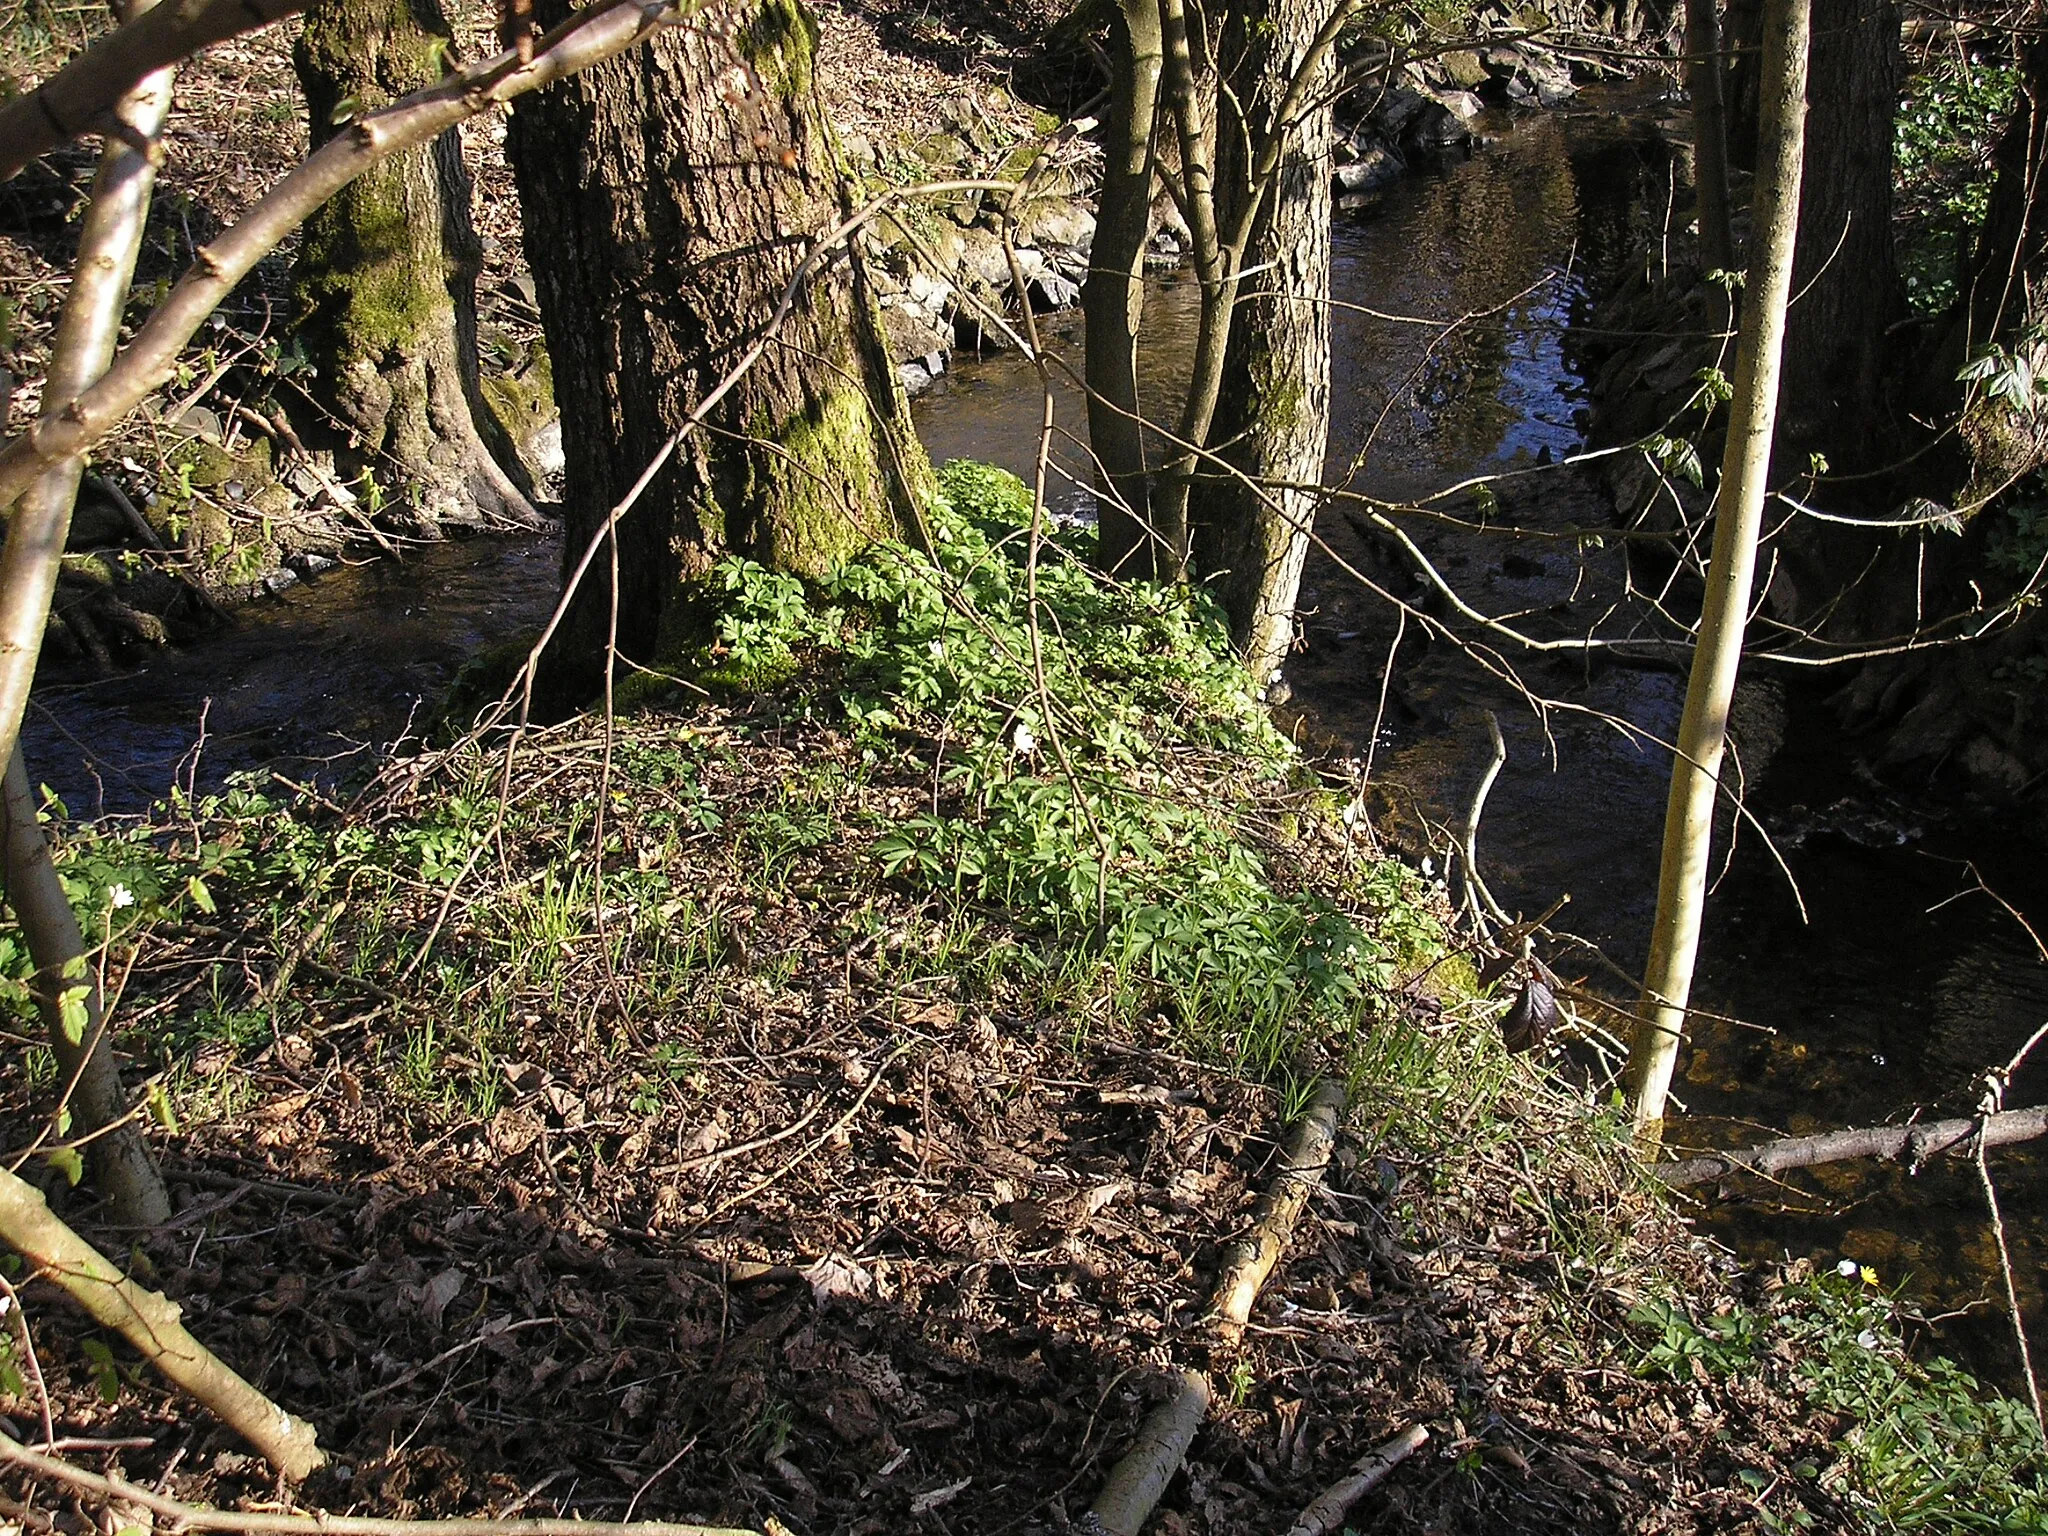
(1113, 302)
(1745, 470)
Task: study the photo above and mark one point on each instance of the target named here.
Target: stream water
(1889, 998)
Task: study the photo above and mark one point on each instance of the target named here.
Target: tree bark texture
(1272, 419)
(669, 195)
(122, 1169)
(1113, 300)
(1845, 282)
(2013, 248)
(1738, 519)
(386, 282)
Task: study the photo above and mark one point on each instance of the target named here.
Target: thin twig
(255, 1523)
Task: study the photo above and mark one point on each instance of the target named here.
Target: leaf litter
(844, 1238)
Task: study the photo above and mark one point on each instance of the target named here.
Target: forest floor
(819, 1153)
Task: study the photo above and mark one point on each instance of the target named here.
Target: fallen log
(1910, 1144)
(1137, 1480)
(1328, 1509)
(150, 1322)
(1248, 1261)
(1135, 1483)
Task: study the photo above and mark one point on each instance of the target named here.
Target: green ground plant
(1949, 121)
(1925, 1447)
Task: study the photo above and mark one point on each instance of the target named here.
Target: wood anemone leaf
(1529, 1023)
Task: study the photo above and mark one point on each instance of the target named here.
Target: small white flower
(1428, 866)
(1024, 741)
(938, 650)
(1866, 1339)
(120, 895)
(1848, 1269)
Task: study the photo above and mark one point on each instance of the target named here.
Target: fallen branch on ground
(150, 1322)
(192, 1517)
(1249, 1260)
(1137, 1480)
(1911, 1144)
(1328, 1509)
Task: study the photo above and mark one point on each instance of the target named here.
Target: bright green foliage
(1928, 1448)
(1948, 124)
(1102, 801)
(1932, 1450)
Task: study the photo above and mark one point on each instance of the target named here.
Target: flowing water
(1889, 998)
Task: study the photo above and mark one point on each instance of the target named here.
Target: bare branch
(84, 96)
(149, 1322)
(584, 39)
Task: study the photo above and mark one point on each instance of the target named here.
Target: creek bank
(850, 1184)
(943, 276)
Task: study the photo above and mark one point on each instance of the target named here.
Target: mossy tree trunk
(670, 195)
(1272, 419)
(386, 280)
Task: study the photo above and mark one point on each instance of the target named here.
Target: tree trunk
(1847, 286)
(2005, 293)
(1272, 418)
(1703, 80)
(669, 197)
(1113, 300)
(386, 283)
(1745, 478)
(122, 1169)
(2013, 248)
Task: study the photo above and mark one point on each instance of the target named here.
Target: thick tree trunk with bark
(1272, 417)
(670, 195)
(1845, 282)
(386, 280)
(1113, 301)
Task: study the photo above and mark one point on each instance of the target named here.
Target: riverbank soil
(749, 1188)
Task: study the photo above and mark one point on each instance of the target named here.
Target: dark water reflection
(315, 681)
